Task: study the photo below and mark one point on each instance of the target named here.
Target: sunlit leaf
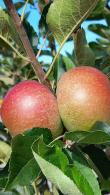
(65, 17)
(55, 175)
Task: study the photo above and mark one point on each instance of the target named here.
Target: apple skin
(83, 96)
(30, 104)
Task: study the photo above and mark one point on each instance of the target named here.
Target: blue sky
(34, 20)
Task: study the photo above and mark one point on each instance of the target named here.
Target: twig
(40, 50)
(60, 137)
(23, 12)
(24, 38)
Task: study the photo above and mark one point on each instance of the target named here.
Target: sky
(68, 47)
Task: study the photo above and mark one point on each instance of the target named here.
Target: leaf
(53, 153)
(55, 191)
(68, 62)
(105, 185)
(6, 80)
(19, 5)
(54, 174)
(5, 152)
(9, 193)
(18, 191)
(42, 22)
(93, 137)
(97, 135)
(4, 176)
(37, 132)
(31, 2)
(99, 158)
(65, 17)
(84, 54)
(100, 30)
(4, 135)
(3, 182)
(9, 35)
(82, 174)
(59, 68)
(98, 12)
(99, 51)
(32, 35)
(102, 126)
(23, 167)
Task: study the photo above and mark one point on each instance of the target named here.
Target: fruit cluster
(83, 97)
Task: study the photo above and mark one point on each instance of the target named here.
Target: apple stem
(26, 43)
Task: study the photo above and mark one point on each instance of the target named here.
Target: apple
(83, 96)
(30, 104)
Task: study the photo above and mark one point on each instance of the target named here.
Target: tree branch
(24, 38)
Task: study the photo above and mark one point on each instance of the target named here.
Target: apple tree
(37, 98)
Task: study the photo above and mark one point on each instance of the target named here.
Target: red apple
(30, 104)
(83, 95)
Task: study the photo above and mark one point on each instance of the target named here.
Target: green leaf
(99, 134)
(3, 182)
(82, 174)
(99, 51)
(100, 30)
(102, 126)
(53, 153)
(93, 137)
(84, 54)
(5, 152)
(98, 12)
(105, 185)
(4, 176)
(59, 68)
(31, 2)
(32, 35)
(19, 5)
(26, 190)
(9, 35)
(9, 193)
(42, 22)
(65, 17)
(37, 132)
(55, 191)
(100, 159)
(6, 80)
(68, 62)
(53, 173)
(23, 167)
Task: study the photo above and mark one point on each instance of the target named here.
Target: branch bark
(24, 38)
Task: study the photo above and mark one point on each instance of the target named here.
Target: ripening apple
(30, 104)
(83, 96)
